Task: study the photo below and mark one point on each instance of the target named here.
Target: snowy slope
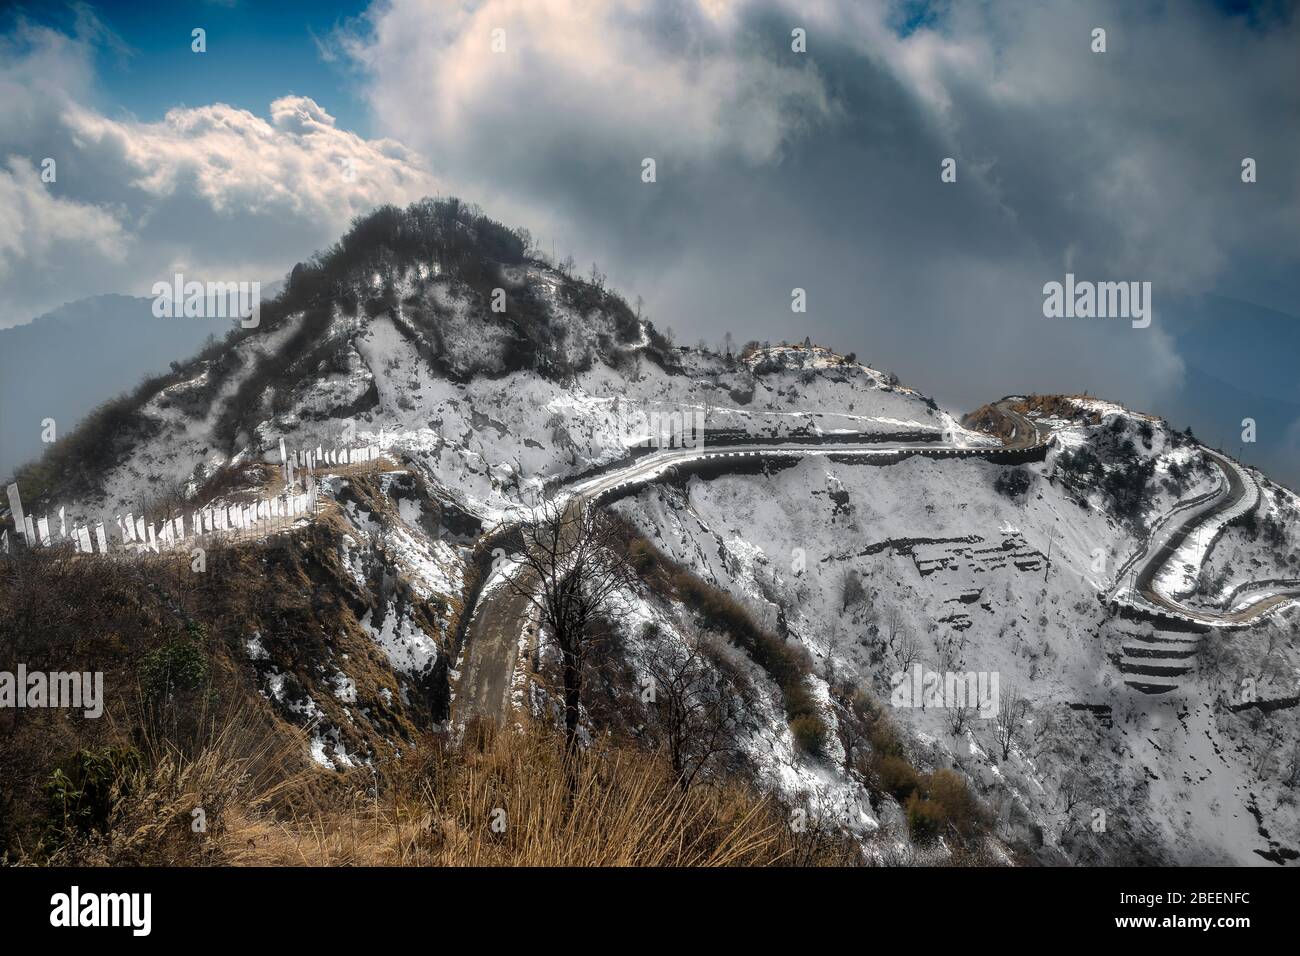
(1178, 778)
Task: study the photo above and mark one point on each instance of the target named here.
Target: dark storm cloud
(821, 171)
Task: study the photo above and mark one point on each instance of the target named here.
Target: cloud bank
(211, 191)
(821, 170)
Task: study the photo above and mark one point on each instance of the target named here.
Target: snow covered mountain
(845, 550)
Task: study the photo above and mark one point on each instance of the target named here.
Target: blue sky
(256, 51)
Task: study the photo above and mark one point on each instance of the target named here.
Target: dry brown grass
(242, 763)
(623, 811)
(438, 808)
(990, 420)
(1058, 406)
(222, 748)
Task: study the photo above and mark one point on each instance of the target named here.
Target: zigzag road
(488, 659)
(1237, 496)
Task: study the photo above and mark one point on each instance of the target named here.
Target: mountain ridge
(891, 548)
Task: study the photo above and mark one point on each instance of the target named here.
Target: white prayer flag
(152, 533)
(43, 529)
(4, 541)
(140, 535)
(31, 532)
(86, 546)
(283, 457)
(101, 538)
(63, 527)
(16, 506)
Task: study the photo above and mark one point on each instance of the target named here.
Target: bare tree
(908, 651)
(853, 717)
(959, 716)
(574, 563)
(1076, 789)
(1011, 716)
(892, 624)
(696, 705)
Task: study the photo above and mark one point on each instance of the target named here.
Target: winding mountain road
(1238, 494)
(503, 615)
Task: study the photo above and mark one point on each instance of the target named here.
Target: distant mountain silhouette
(64, 363)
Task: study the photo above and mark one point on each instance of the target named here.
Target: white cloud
(588, 85)
(42, 230)
(298, 164)
(213, 191)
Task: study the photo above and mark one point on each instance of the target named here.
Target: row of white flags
(135, 533)
(140, 535)
(320, 457)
